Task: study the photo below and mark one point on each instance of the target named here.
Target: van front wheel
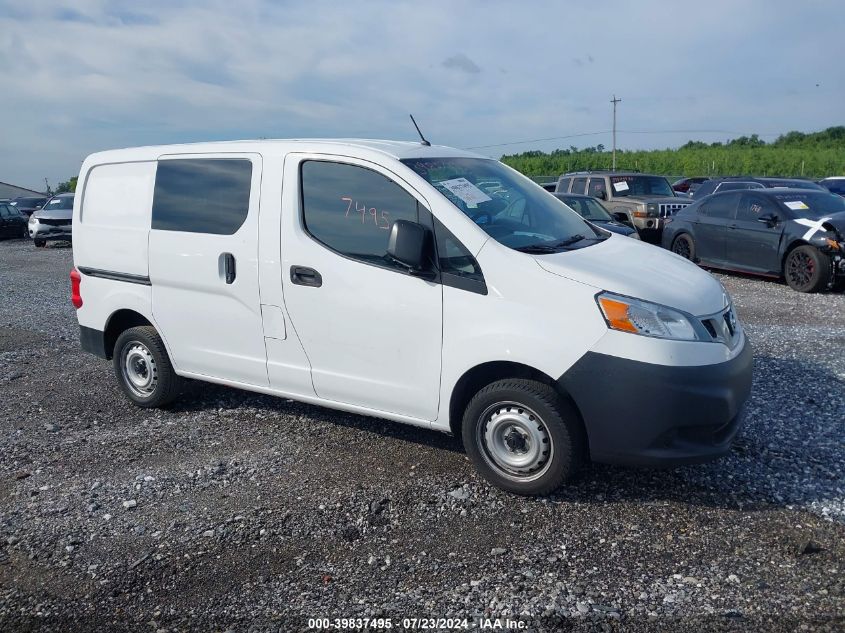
(523, 437)
(143, 368)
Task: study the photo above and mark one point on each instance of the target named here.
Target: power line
(540, 140)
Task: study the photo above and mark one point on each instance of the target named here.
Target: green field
(813, 155)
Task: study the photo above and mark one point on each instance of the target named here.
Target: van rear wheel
(523, 437)
(143, 368)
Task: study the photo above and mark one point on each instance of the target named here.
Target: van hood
(643, 271)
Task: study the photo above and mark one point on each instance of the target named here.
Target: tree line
(813, 155)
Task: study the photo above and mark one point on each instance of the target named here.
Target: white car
(376, 277)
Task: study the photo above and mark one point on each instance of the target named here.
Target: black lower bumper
(639, 413)
(92, 341)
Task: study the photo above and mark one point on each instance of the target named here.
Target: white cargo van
(421, 284)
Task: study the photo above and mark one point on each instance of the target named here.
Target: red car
(683, 185)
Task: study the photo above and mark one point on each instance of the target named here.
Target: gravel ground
(235, 511)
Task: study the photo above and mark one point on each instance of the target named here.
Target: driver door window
(351, 209)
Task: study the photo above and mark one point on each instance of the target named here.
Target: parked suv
(53, 222)
(422, 284)
(644, 201)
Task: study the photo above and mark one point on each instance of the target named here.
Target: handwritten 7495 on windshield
(380, 219)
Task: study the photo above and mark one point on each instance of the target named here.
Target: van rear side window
(202, 195)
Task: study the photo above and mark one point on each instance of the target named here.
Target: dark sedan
(794, 234)
(12, 222)
(592, 210)
(715, 185)
(28, 205)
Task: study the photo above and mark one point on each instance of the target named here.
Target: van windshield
(508, 206)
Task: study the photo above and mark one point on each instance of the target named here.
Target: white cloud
(110, 74)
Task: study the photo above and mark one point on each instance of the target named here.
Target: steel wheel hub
(515, 441)
(139, 369)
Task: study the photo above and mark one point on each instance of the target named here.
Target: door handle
(229, 271)
(304, 276)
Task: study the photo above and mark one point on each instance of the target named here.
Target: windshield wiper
(550, 248)
(537, 248)
(556, 246)
(570, 240)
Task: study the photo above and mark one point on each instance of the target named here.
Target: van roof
(394, 149)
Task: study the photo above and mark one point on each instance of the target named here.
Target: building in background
(13, 191)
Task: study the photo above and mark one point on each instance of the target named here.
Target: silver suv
(644, 201)
(53, 221)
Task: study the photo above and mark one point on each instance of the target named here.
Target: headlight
(652, 210)
(648, 319)
(33, 219)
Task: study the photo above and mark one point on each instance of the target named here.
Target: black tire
(139, 353)
(684, 246)
(522, 403)
(40, 243)
(806, 269)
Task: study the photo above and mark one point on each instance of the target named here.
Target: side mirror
(408, 245)
(769, 219)
(601, 195)
(620, 216)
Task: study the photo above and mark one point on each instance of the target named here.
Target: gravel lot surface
(235, 511)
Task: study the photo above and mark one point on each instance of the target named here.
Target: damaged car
(794, 234)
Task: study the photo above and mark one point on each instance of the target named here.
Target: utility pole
(614, 101)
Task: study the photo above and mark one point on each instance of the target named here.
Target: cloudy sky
(87, 75)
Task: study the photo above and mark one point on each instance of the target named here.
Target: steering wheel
(479, 213)
(517, 205)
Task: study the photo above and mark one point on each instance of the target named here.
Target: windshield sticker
(796, 205)
(621, 186)
(465, 190)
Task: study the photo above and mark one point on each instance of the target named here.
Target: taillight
(75, 295)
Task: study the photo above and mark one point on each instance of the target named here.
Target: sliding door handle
(304, 276)
(229, 272)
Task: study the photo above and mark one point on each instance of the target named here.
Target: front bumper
(48, 232)
(639, 413)
(649, 224)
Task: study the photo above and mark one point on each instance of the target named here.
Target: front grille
(723, 327)
(668, 209)
(52, 222)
